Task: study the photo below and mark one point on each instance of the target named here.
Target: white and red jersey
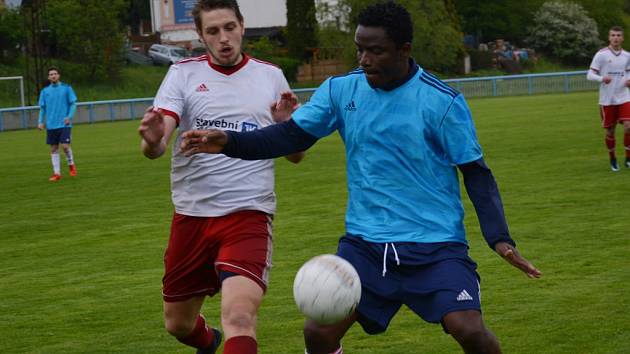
(202, 95)
(616, 65)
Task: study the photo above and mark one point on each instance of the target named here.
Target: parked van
(164, 54)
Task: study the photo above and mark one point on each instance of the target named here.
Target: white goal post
(21, 78)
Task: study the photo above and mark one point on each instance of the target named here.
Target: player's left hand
(66, 121)
(511, 255)
(203, 141)
(281, 110)
(627, 83)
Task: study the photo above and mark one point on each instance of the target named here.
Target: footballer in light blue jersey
(57, 105)
(406, 136)
(402, 148)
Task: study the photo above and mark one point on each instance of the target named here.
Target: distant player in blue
(57, 103)
(406, 134)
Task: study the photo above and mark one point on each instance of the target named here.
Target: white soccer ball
(327, 289)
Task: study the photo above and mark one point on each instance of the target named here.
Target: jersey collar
(413, 69)
(228, 70)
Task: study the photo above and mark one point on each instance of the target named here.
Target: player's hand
(281, 110)
(40, 126)
(66, 121)
(511, 255)
(152, 126)
(606, 80)
(627, 83)
(203, 141)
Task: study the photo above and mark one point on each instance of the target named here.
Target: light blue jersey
(57, 102)
(401, 150)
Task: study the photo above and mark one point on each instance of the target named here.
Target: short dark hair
(394, 18)
(616, 29)
(208, 5)
(51, 68)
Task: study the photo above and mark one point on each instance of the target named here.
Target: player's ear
(405, 49)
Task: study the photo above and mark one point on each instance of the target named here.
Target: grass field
(81, 259)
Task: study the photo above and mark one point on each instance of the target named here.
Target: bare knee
(239, 319)
(177, 326)
(469, 331)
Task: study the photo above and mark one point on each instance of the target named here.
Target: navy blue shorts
(431, 279)
(58, 136)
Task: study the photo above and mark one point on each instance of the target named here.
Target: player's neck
(615, 48)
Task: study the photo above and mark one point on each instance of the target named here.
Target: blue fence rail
(529, 84)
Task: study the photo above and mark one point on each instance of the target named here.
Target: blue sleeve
(317, 117)
(270, 142)
(42, 108)
(72, 101)
(483, 192)
(457, 133)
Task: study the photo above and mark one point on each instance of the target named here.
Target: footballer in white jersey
(220, 236)
(610, 67)
(203, 95)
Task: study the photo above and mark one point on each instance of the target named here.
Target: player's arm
(72, 103)
(281, 111)
(273, 141)
(156, 130)
(483, 192)
(40, 121)
(594, 71)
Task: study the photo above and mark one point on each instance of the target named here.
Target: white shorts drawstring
(385, 257)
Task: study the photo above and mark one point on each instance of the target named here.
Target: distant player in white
(221, 231)
(610, 66)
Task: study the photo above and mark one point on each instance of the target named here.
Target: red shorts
(200, 247)
(614, 114)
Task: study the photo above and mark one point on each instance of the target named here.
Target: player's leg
(326, 339)
(374, 311)
(240, 300)
(626, 141)
(183, 320)
(624, 118)
(52, 139)
(244, 262)
(609, 122)
(65, 145)
(469, 331)
(188, 278)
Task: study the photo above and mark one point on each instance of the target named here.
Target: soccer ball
(327, 289)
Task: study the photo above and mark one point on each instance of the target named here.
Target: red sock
(240, 345)
(610, 144)
(626, 144)
(201, 337)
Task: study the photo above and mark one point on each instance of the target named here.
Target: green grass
(81, 259)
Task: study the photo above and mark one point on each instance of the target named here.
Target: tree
(11, 32)
(301, 27)
(506, 19)
(564, 30)
(90, 32)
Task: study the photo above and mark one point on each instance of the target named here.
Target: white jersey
(202, 95)
(615, 65)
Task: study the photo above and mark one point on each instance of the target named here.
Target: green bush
(563, 30)
(481, 59)
(288, 65)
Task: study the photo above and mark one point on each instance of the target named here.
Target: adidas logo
(350, 107)
(202, 88)
(464, 296)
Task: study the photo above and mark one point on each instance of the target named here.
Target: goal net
(11, 91)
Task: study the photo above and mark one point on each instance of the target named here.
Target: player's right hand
(152, 126)
(40, 126)
(606, 80)
(203, 141)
